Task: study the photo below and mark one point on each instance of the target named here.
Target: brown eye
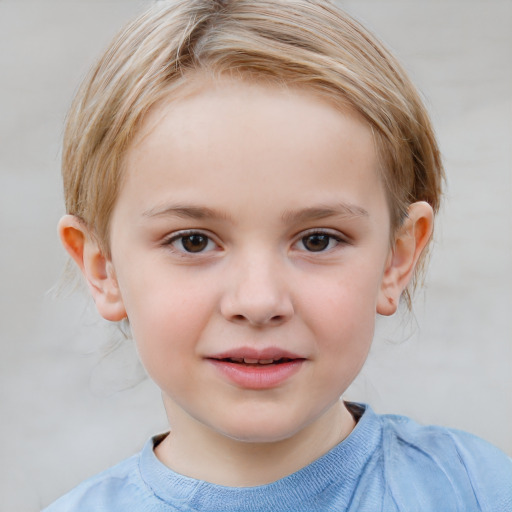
(191, 242)
(194, 243)
(316, 243)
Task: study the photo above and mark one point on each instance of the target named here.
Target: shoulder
(455, 464)
(111, 490)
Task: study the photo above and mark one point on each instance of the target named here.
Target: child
(248, 183)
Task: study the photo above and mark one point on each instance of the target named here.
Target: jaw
(252, 459)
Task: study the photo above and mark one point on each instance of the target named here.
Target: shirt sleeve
(489, 471)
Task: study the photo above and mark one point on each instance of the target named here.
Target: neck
(203, 454)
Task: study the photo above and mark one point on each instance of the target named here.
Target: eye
(319, 241)
(192, 242)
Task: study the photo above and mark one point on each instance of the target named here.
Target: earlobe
(410, 240)
(96, 268)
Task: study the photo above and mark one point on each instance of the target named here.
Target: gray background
(69, 408)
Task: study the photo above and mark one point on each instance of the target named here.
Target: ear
(410, 240)
(98, 270)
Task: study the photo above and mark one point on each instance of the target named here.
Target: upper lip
(264, 354)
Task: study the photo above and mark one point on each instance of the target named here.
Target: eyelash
(184, 235)
(211, 244)
(322, 233)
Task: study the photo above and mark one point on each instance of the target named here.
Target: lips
(257, 369)
(255, 361)
(251, 354)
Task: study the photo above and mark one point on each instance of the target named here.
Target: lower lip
(258, 377)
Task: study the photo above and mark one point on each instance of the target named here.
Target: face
(249, 243)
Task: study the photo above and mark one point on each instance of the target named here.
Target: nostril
(256, 310)
(277, 319)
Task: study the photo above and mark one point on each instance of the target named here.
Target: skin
(293, 253)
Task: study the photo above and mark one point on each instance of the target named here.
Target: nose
(257, 294)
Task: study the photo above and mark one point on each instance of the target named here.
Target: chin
(269, 430)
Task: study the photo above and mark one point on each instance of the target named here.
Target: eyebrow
(185, 212)
(288, 217)
(324, 211)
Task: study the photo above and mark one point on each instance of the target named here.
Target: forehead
(240, 137)
(226, 100)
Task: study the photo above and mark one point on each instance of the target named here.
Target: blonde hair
(304, 43)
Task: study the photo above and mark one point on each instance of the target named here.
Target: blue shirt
(388, 463)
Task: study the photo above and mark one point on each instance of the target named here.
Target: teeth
(248, 360)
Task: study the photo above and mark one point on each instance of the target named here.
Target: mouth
(247, 361)
(252, 369)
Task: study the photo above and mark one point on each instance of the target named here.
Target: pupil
(316, 243)
(194, 243)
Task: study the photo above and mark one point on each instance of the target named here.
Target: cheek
(346, 301)
(166, 318)
(341, 316)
